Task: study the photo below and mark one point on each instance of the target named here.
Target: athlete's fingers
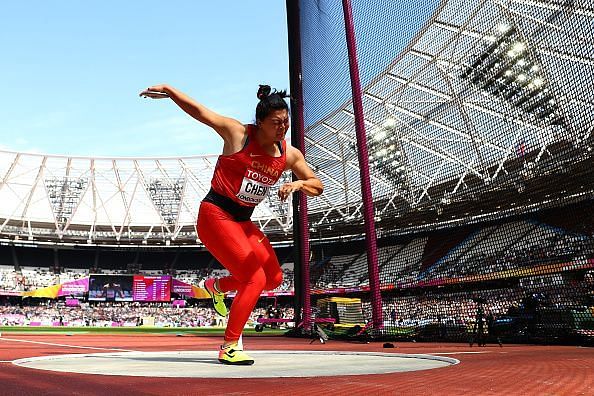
(155, 92)
(283, 195)
(157, 88)
(286, 190)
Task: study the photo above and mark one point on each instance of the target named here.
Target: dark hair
(270, 101)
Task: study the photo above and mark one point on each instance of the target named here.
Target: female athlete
(253, 159)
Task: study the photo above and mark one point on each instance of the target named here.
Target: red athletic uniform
(240, 182)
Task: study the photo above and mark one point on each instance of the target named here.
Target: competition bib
(254, 187)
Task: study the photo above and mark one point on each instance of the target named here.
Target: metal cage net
(479, 131)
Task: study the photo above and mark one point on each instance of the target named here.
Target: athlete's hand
(160, 88)
(288, 188)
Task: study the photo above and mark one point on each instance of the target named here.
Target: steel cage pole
(300, 220)
(363, 155)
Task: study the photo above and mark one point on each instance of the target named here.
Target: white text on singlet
(254, 187)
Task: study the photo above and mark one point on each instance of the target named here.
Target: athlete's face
(276, 125)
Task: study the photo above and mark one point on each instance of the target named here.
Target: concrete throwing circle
(204, 364)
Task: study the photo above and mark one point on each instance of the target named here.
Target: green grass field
(196, 331)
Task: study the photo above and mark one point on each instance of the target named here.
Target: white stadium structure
(486, 97)
(112, 200)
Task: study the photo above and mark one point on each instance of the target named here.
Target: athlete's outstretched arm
(308, 182)
(227, 127)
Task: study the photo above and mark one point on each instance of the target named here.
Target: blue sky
(72, 71)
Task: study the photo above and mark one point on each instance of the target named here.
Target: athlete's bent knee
(258, 280)
(274, 281)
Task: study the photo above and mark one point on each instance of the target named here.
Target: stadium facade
(479, 132)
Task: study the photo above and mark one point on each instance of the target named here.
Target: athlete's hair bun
(270, 100)
(266, 92)
(263, 91)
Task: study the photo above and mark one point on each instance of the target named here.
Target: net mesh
(478, 118)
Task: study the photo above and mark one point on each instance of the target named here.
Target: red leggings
(246, 252)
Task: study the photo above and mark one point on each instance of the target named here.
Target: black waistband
(237, 211)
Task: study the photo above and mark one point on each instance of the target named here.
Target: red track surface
(511, 370)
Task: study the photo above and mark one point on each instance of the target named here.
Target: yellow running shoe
(218, 298)
(230, 354)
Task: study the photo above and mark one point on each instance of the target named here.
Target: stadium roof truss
(119, 200)
(483, 85)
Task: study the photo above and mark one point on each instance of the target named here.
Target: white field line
(66, 345)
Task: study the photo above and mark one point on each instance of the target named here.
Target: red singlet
(247, 175)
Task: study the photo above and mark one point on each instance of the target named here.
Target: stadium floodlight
(516, 49)
(389, 123)
(386, 154)
(504, 69)
(64, 194)
(166, 195)
(538, 82)
(503, 28)
(380, 135)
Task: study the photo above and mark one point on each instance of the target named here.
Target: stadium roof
(126, 200)
(487, 96)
